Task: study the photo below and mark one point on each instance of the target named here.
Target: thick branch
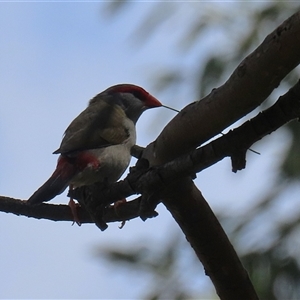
(249, 85)
(198, 222)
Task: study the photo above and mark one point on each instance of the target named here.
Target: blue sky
(54, 58)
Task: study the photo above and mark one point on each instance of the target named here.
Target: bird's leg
(73, 206)
(117, 207)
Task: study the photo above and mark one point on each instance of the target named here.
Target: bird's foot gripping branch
(102, 201)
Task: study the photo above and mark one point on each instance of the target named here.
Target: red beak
(152, 102)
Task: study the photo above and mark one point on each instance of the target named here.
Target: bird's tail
(56, 184)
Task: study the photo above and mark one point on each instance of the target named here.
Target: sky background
(54, 58)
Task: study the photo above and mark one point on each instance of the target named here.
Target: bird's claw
(116, 206)
(73, 207)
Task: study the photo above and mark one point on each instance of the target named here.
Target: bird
(96, 145)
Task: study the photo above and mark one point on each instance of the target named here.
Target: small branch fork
(96, 199)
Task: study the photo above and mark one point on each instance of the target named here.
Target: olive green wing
(99, 125)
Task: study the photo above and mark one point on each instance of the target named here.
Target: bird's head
(132, 98)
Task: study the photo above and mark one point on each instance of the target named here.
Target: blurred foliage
(165, 264)
(216, 37)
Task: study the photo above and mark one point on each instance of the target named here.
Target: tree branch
(61, 212)
(249, 85)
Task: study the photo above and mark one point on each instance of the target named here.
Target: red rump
(68, 166)
(85, 159)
